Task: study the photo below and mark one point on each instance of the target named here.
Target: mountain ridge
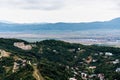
(9, 22)
(112, 24)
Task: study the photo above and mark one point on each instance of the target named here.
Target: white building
(117, 70)
(84, 76)
(72, 79)
(78, 49)
(108, 54)
(101, 76)
(101, 53)
(116, 61)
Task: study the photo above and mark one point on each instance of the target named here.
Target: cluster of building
(20, 63)
(84, 74)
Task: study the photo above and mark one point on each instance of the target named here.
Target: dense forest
(57, 60)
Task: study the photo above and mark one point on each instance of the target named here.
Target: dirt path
(37, 74)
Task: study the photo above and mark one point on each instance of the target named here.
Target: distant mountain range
(14, 27)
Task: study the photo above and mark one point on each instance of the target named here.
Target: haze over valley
(103, 33)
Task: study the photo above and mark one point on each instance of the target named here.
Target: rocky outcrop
(22, 46)
(4, 53)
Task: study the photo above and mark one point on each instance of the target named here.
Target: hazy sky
(30, 11)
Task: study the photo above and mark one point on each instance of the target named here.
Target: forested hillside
(57, 60)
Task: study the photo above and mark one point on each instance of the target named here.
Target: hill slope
(57, 60)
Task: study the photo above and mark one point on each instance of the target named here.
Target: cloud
(119, 4)
(32, 4)
(29, 11)
(54, 4)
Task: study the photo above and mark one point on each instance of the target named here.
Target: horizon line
(11, 22)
